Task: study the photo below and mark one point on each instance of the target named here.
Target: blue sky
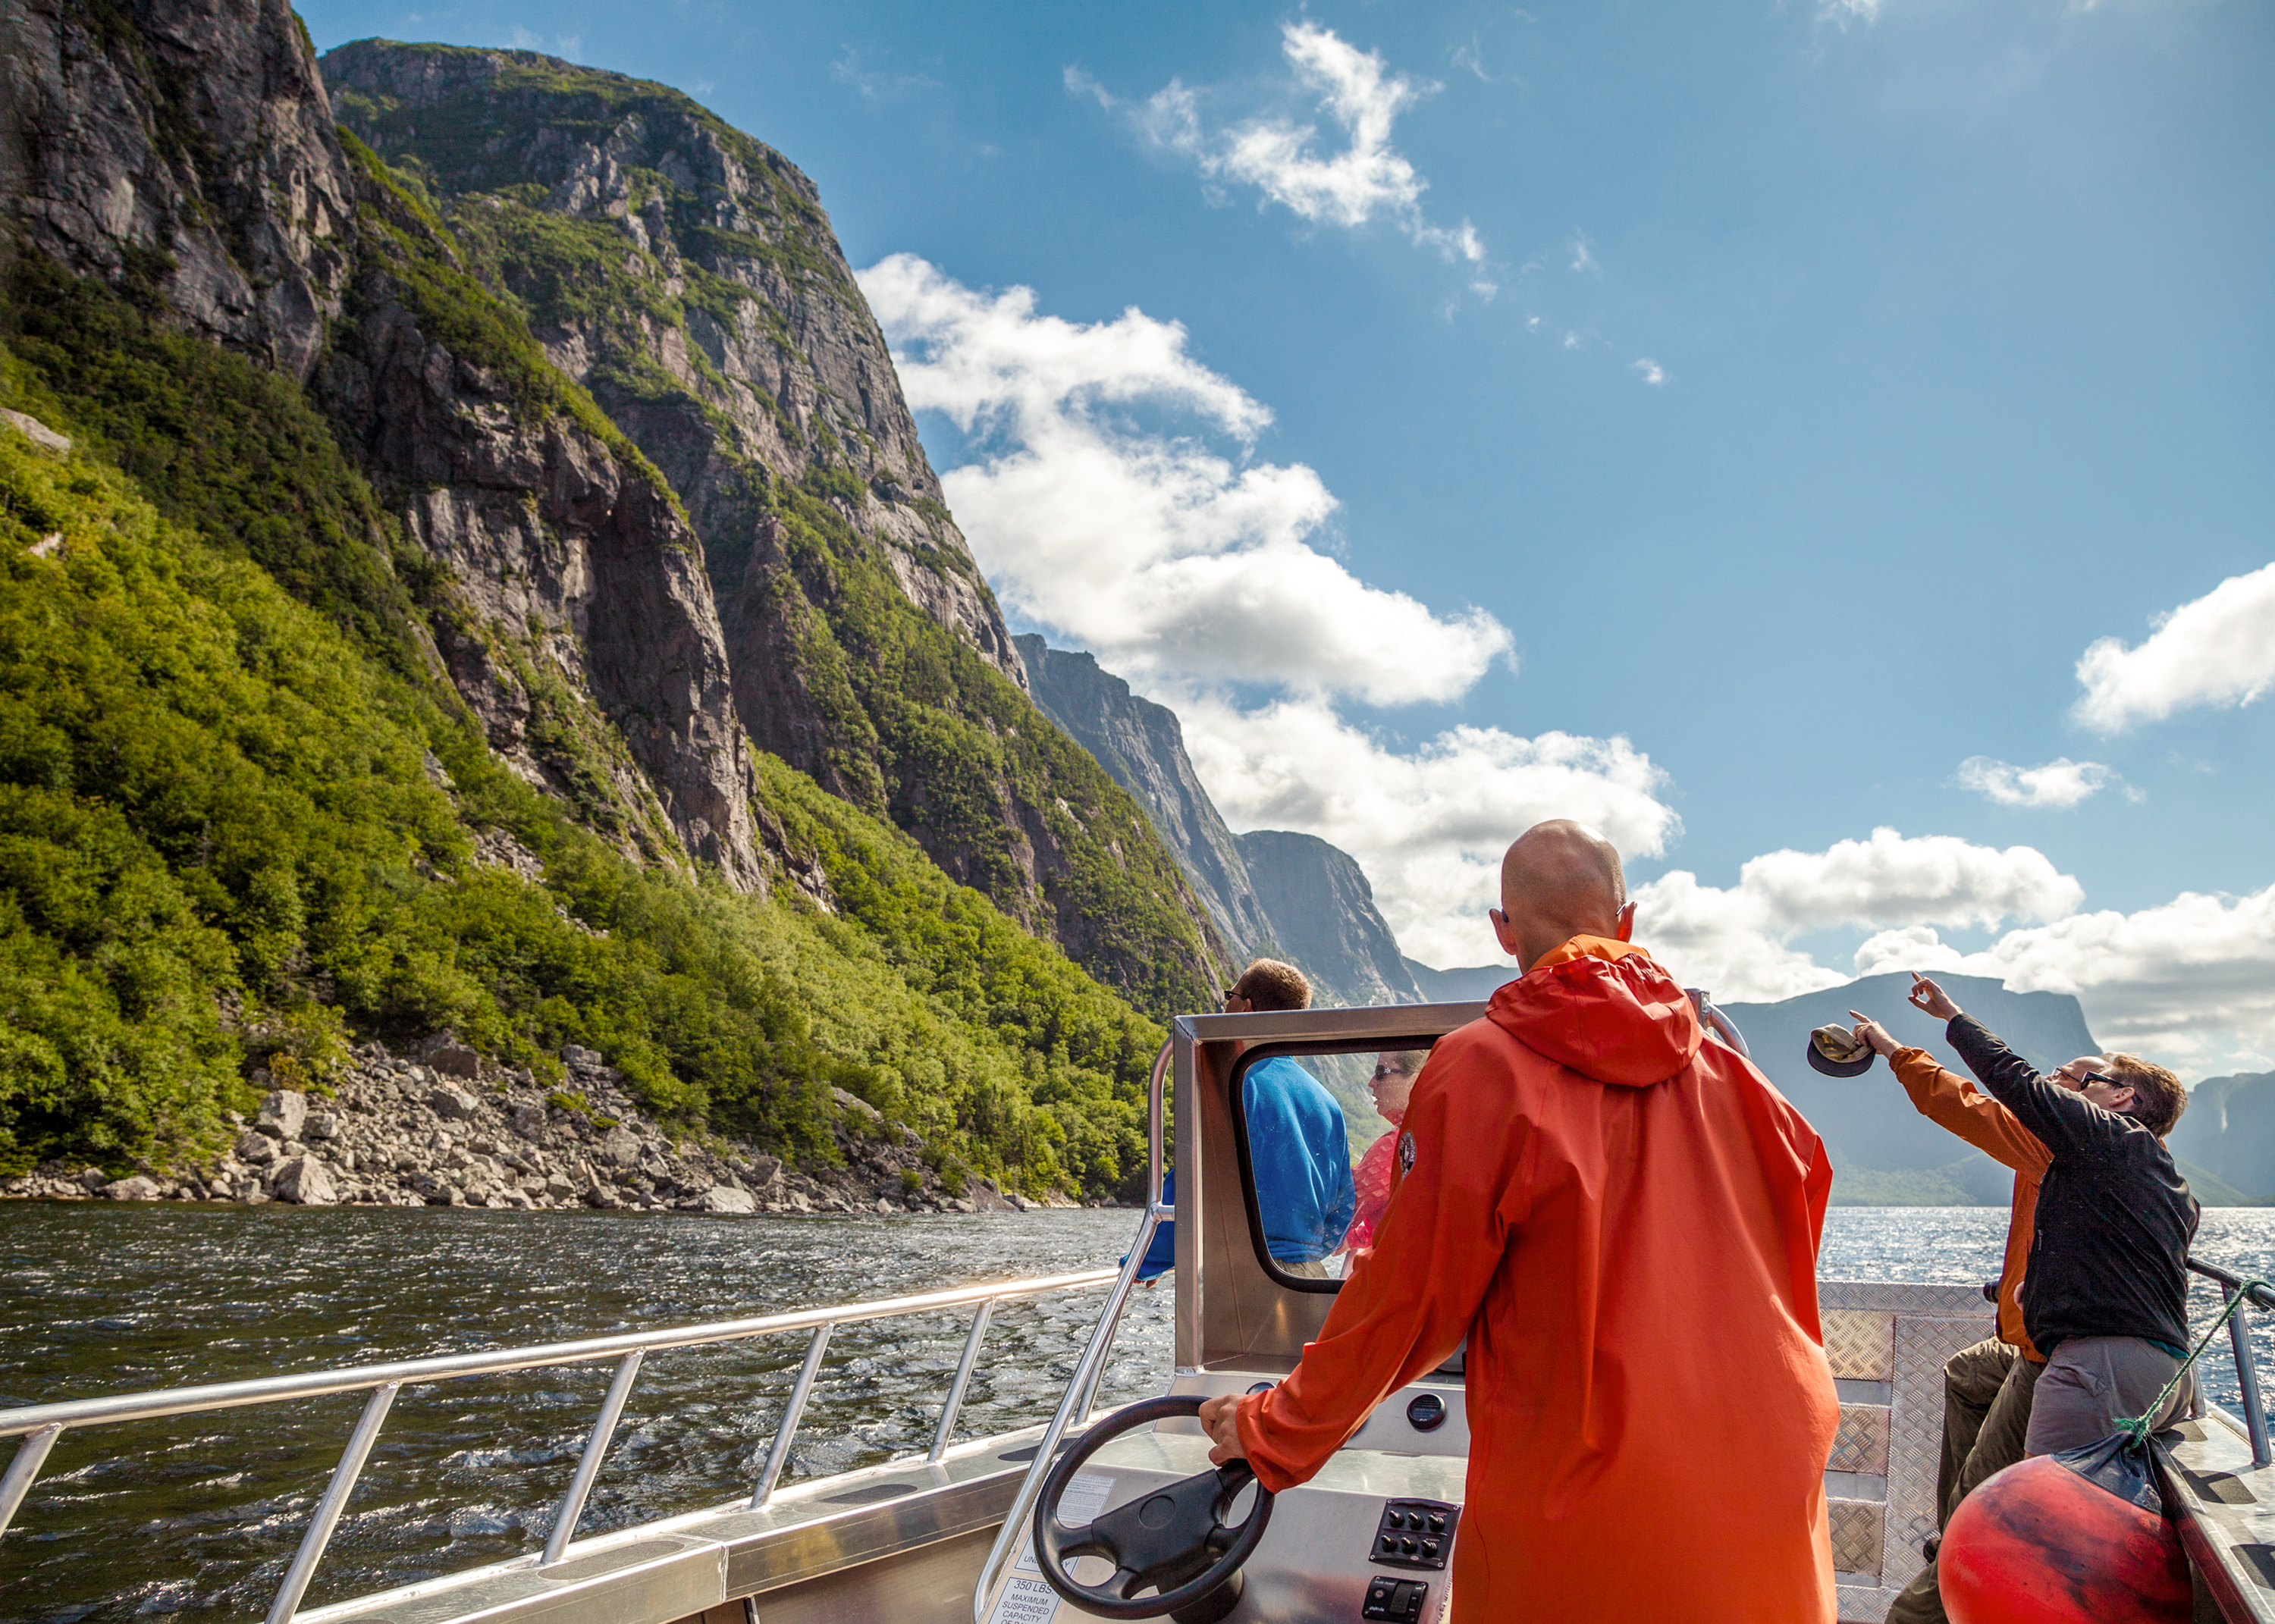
(1726, 422)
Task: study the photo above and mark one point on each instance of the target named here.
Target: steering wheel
(1175, 1539)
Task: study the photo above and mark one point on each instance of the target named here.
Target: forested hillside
(361, 674)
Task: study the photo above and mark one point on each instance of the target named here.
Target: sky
(1827, 445)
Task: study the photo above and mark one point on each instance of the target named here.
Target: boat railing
(38, 1425)
(2238, 1339)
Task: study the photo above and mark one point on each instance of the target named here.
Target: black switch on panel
(1399, 1541)
(1395, 1601)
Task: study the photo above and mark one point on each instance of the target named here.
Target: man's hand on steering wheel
(1221, 1420)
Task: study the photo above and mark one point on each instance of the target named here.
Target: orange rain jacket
(1953, 1102)
(1623, 1220)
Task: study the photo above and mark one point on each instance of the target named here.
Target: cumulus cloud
(1651, 371)
(2190, 982)
(1165, 555)
(2216, 650)
(1427, 825)
(1737, 941)
(1364, 179)
(2061, 783)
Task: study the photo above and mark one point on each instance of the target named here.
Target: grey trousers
(1987, 1394)
(2092, 1380)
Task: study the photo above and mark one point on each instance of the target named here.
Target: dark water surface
(200, 1514)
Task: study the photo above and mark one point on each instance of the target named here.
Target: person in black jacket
(2104, 1292)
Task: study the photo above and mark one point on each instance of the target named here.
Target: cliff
(2229, 1130)
(1322, 909)
(1142, 747)
(687, 275)
(365, 671)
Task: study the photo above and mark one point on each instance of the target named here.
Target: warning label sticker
(1026, 1601)
(1085, 1497)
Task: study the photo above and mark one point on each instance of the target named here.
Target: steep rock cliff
(1142, 745)
(686, 275)
(183, 155)
(1322, 909)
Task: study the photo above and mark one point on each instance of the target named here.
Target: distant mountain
(1271, 892)
(1142, 747)
(1322, 911)
(1869, 1121)
(1473, 985)
(2229, 1130)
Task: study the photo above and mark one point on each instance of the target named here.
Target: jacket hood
(1604, 1009)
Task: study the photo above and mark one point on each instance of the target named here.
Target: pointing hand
(1872, 1032)
(1926, 996)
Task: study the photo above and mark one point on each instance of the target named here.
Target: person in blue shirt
(1297, 1144)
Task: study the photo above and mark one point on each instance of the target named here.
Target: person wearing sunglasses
(2104, 1292)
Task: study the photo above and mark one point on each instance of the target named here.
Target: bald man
(1622, 1218)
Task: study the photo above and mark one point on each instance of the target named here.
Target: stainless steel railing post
(780, 1453)
(588, 1464)
(940, 1433)
(334, 1501)
(30, 1455)
(2247, 1380)
(1083, 1380)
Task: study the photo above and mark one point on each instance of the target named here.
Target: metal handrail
(1082, 1386)
(2247, 1368)
(38, 1425)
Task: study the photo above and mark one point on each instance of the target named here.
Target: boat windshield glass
(1318, 1144)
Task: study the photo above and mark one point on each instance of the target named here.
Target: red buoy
(2037, 1544)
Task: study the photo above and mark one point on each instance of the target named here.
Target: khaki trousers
(1987, 1391)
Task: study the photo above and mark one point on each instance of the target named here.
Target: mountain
(1869, 1121)
(1269, 893)
(1323, 914)
(685, 274)
(2229, 1129)
(1473, 985)
(1142, 747)
(494, 584)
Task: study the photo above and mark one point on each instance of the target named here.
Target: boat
(946, 1537)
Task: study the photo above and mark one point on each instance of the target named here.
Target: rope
(2136, 1427)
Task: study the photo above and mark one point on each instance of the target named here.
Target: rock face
(1142, 747)
(187, 154)
(1323, 910)
(191, 156)
(1276, 894)
(2229, 1130)
(737, 349)
(686, 275)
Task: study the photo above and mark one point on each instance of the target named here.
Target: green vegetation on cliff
(627, 265)
(239, 823)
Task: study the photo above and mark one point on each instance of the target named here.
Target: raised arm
(2061, 1120)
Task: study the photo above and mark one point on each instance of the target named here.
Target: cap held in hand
(1834, 1051)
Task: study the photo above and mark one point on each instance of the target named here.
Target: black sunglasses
(2101, 1076)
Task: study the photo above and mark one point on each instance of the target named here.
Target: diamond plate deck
(1859, 1344)
(1861, 1443)
(1857, 1537)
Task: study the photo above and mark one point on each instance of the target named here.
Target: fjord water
(199, 1515)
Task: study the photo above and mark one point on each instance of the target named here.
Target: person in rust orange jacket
(1623, 1219)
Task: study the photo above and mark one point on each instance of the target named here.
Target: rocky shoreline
(444, 1127)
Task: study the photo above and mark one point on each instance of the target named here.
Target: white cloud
(1583, 255)
(2059, 784)
(2217, 650)
(1428, 825)
(1651, 371)
(1168, 558)
(1284, 159)
(2190, 982)
(1735, 942)
(1841, 13)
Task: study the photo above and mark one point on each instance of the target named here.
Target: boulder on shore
(134, 1189)
(284, 1114)
(305, 1180)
